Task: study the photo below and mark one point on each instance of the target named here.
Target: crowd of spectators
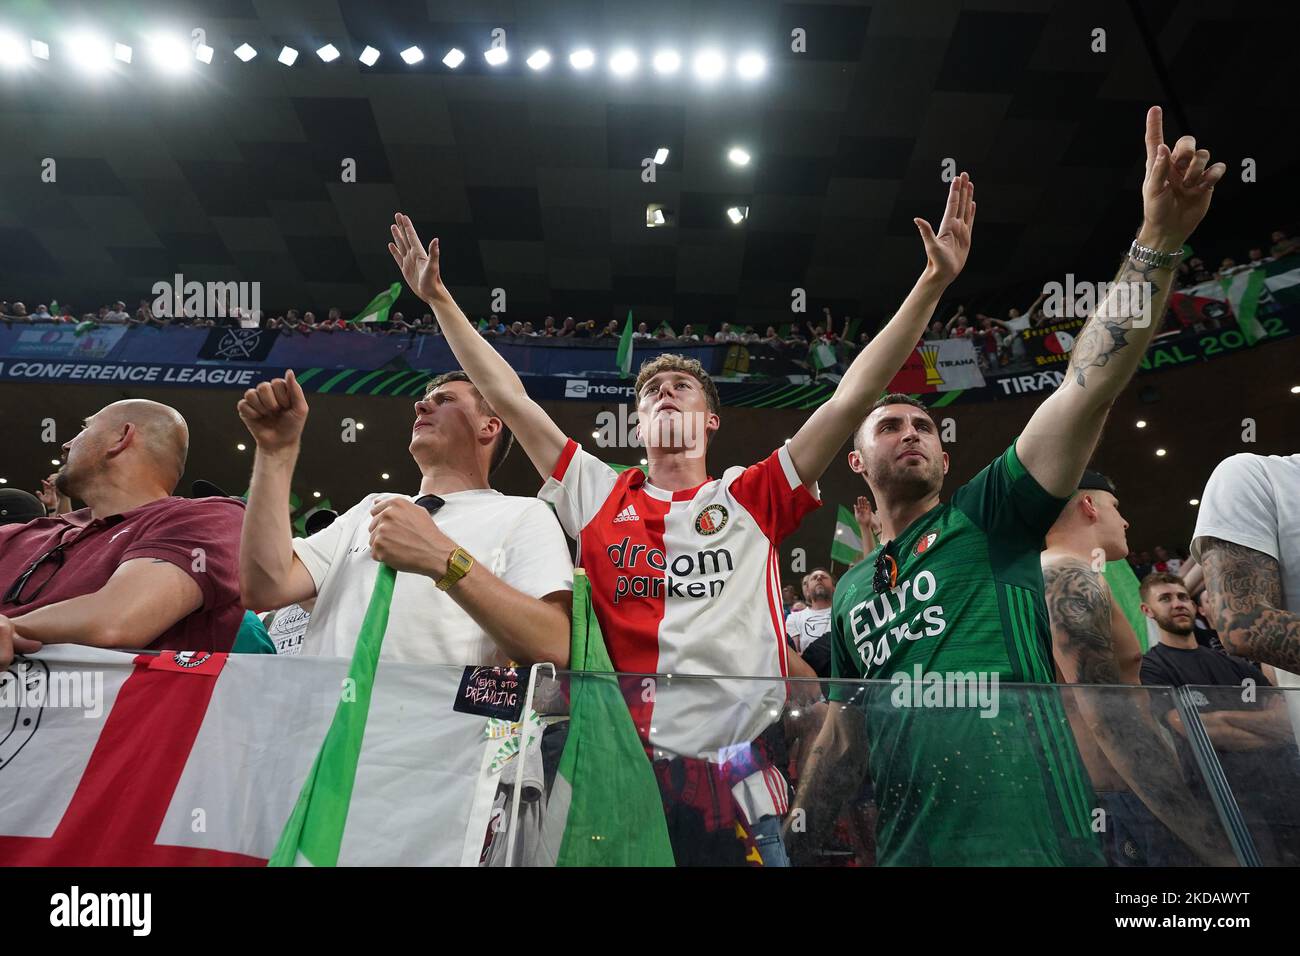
(817, 346)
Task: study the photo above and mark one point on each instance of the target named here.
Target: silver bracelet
(1153, 257)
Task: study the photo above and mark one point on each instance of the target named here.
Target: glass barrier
(1253, 733)
(935, 770)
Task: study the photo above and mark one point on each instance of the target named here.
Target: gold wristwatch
(458, 566)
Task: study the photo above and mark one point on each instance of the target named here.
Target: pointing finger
(1155, 132)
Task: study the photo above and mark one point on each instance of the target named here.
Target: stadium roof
(533, 179)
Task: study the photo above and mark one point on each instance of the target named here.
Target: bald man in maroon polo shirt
(136, 567)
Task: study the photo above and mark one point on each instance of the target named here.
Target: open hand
(947, 250)
(420, 266)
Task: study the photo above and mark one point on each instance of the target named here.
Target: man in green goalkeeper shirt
(950, 607)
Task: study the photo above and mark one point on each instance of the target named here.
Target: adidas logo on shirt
(627, 514)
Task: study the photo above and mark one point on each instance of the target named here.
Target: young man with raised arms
(684, 568)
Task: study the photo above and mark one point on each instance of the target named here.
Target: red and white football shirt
(688, 583)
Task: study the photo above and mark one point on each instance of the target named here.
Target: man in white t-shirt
(487, 578)
(1247, 540)
(814, 621)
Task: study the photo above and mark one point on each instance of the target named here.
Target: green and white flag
(83, 327)
(605, 808)
(822, 355)
(1242, 292)
(314, 833)
(1282, 279)
(376, 309)
(625, 348)
(846, 547)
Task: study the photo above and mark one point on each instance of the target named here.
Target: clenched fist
(275, 413)
(406, 538)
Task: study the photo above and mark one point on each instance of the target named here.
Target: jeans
(767, 837)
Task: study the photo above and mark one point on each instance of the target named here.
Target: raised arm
(496, 381)
(1059, 440)
(270, 574)
(826, 430)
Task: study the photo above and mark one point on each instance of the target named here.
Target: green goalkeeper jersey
(966, 770)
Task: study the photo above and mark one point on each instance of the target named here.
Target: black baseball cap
(1096, 481)
(19, 507)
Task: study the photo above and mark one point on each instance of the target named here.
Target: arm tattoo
(1078, 606)
(1245, 588)
(1135, 293)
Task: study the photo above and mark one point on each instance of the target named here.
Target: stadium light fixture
(1141, 423)
(89, 52)
(40, 49)
(384, 476)
(288, 56)
(667, 62)
(1160, 453)
(369, 56)
(738, 214)
(203, 53)
(122, 52)
(1194, 502)
(539, 60)
(245, 52)
(315, 494)
(661, 155)
(496, 55)
(361, 426)
(1295, 389)
(582, 59)
(4, 481)
(55, 461)
(328, 53)
(709, 64)
(623, 62)
(738, 156)
(169, 53)
(242, 447)
(453, 59)
(751, 66)
(12, 50)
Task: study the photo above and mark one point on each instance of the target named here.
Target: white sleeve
(318, 552)
(578, 487)
(536, 560)
(1239, 506)
(792, 626)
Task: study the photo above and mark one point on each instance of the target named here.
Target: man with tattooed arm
(1135, 771)
(957, 588)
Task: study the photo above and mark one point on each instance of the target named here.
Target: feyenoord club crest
(711, 520)
(188, 659)
(926, 542)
